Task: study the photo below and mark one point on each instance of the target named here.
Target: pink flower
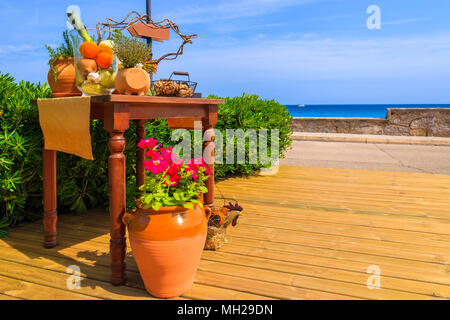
(193, 167)
(147, 143)
(168, 154)
(198, 161)
(195, 164)
(192, 171)
(175, 179)
(178, 162)
(152, 153)
(173, 169)
(156, 165)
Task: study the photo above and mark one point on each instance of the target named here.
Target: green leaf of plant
(75, 205)
(156, 206)
(81, 207)
(3, 233)
(188, 205)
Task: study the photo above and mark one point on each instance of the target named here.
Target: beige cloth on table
(65, 125)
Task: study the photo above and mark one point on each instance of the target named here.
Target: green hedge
(251, 112)
(83, 184)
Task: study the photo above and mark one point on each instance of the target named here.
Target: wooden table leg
(50, 197)
(140, 155)
(208, 153)
(116, 171)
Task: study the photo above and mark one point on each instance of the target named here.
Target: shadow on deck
(307, 233)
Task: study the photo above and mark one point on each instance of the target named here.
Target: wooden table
(116, 111)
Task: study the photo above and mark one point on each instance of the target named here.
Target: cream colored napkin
(65, 125)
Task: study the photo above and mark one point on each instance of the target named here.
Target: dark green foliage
(251, 112)
(20, 151)
(83, 184)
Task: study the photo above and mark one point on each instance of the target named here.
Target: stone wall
(433, 122)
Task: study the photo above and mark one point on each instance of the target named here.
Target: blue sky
(294, 51)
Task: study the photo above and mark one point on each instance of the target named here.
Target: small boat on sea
(300, 105)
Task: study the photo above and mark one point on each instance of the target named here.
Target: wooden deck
(307, 233)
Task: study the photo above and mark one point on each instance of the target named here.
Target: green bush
(83, 184)
(251, 112)
(20, 152)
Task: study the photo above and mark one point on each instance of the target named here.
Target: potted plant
(61, 76)
(135, 56)
(168, 231)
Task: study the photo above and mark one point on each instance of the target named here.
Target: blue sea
(352, 110)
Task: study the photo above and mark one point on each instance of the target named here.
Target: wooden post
(116, 122)
(140, 155)
(148, 8)
(50, 197)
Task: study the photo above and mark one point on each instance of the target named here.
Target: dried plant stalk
(136, 17)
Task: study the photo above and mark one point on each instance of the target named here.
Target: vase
(133, 81)
(94, 74)
(61, 77)
(167, 245)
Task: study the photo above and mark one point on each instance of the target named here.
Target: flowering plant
(172, 182)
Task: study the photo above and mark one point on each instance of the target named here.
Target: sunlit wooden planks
(307, 233)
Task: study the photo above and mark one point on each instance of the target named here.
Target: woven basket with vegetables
(175, 88)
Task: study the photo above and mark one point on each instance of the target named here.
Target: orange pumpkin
(104, 60)
(89, 50)
(104, 48)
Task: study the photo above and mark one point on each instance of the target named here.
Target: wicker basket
(175, 88)
(215, 238)
(217, 229)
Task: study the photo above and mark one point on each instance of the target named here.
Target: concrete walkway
(370, 138)
(370, 156)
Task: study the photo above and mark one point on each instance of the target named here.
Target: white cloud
(325, 58)
(229, 10)
(10, 48)
(401, 21)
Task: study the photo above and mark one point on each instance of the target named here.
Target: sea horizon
(350, 110)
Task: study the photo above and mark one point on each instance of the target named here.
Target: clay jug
(167, 245)
(132, 81)
(65, 84)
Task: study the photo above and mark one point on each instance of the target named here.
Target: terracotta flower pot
(167, 245)
(65, 84)
(132, 81)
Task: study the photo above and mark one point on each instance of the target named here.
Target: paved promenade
(407, 154)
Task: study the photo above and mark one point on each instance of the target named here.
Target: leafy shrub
(20, 151)
(251, 112)
(83, 184)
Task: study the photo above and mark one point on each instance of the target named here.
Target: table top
(119, 98)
